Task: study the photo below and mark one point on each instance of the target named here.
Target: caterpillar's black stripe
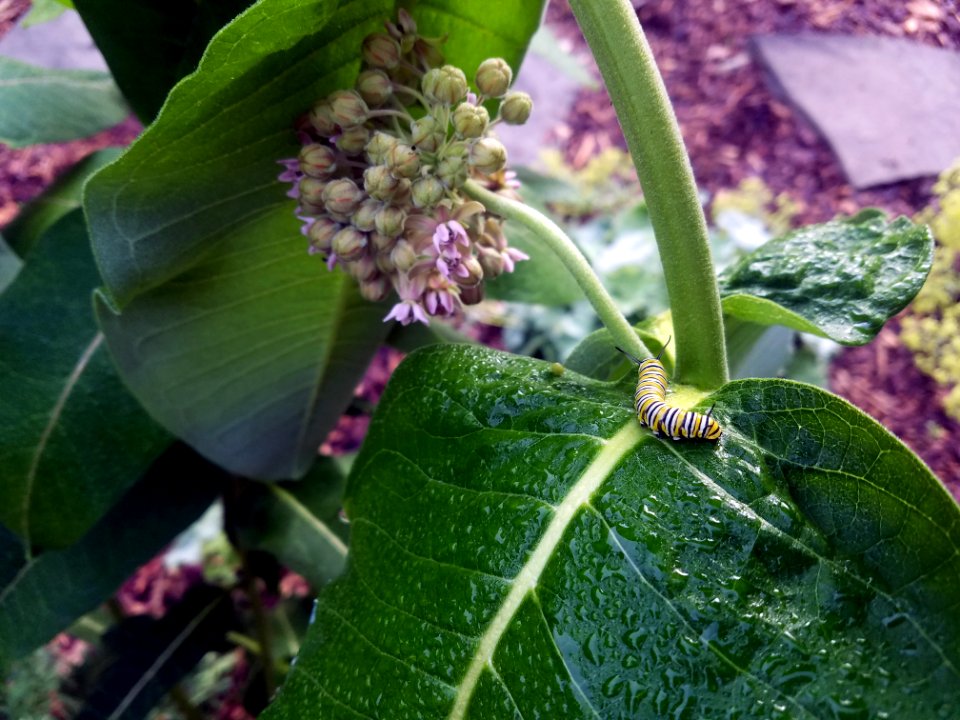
(650, 400)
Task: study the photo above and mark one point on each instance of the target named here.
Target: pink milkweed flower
(409, 308)
(442, 297)
(512, 255)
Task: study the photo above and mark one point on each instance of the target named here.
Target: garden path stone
(889, 108)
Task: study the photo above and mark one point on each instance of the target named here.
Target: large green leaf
(521, 547)
(150, 45)
(10, 265)
(842, 280)
(73, 437)
(38, 105)
(41, 596)
(225, 329)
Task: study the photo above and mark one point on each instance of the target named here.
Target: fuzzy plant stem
(565, 249)
(653, 137)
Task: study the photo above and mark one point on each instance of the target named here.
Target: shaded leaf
(299, 522)
(150, 45)
(41, 596)
(224, 328)
(38, 105)
(142, 658)
(73, 436)
(842, 280)
(10, 264)
(542, 279)
(39, 215)
(568, 564)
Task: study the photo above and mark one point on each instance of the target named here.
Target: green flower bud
(426, 133)
(384, 263)
(349, 244)
(403, 256)
(428, 51)
(403, 161)
(311, 190)
(401, 196)
(313, 209)
(342, 196)
(376, 289)
(493, 77)
(452, 171)
(381, 51)
(379, 182)
(378, 147)
(472, 295)
(348, 108)
(317, 161)
(491, 262)
(427, 192)
(363, 217)
(475, 271)
(383, 243)
(389, 221)
(515, 108)
(446, 85)
(321, 234)
(353, 140)
(458, 149)
(321, 117)
(374, 87)
(488, 155)
(470, 120)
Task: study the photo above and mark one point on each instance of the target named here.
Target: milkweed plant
(513, 538)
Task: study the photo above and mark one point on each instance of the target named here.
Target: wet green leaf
(73, 437)
(10, 265)
(38, 105)
(521, 547)
(42, 595)
(299, 522)
(842, 280)
(225, 329)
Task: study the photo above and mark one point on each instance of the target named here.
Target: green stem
(564, 248)
(653, 137)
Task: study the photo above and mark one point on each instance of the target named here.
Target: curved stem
(569, 255)
(653, 137)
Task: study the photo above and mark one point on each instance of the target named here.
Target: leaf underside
(521, 548)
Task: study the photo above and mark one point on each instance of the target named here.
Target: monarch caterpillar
(650, 399)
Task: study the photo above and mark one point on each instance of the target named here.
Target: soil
(734, 128)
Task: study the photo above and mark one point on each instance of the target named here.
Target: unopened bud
(491, 262)
(375, 290)
(494, 77)
(381, 51)
(403, 256)
(472, 295)
(382, 243)
(403, 161)
(363, 217)
(342, 196)
(317, 161)
(488, 155)
(491, 235)
(426, 133)
(321, 234)
(374, 87)
(364, 268)
(321, 117)
(474, 272)
(379, 182)
(470, 120)
(348, 108)
(427, 192)
(428, 51)
(311, 190)
(401, 196)
(384, 263)
(378, 147)
(452, 171)
(446, 85)
(389, 221)
(353, 140)
(349, 244)
(515, 108)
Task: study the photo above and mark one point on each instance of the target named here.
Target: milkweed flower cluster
(380, 174)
